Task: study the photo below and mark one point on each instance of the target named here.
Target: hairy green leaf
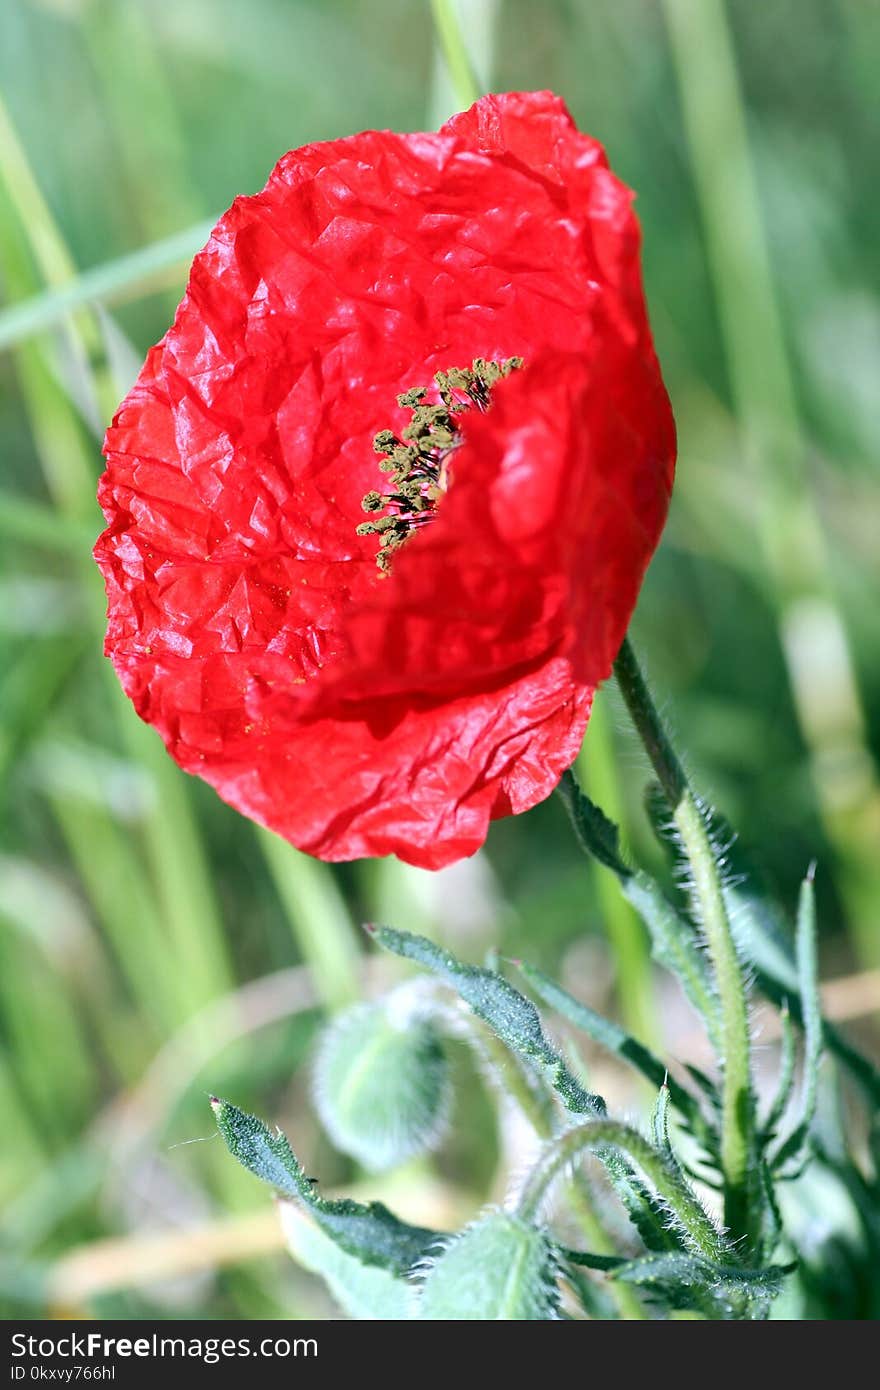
(371, 1233)
(615, 1039)
(361, 1290)
(673, 940)
(763, 945)
(512, 1017)
(722, 1291)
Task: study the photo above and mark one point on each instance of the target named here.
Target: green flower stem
(660, 1173)
(455, 53)
(738, 1119)
(597, 768)
(536, 1106)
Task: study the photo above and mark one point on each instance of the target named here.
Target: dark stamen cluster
(418, 461)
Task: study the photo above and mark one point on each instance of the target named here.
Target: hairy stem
(537, 1107)
(738, 1119)
(660, 1173)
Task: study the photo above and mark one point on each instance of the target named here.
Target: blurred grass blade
(48, 248)
(123, 41)
(19, 1160)
(812, 632)
(126, 277)
(187, 903)
(451, 40)
(123, 358)
(33, 523)
(318, 917)
(806, 953)
(597, 769)
(54, 263)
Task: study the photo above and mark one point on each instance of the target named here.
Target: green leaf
(686, 1281)
(673, 940)
(512, 1017)
(370, 1233)
(660, 1122)
(675, 946)
(588, 1260)
(785, 1085)
(765, 948)
(811, 1008)
(652, 1219)
(499, 1269)
(361, 1290)
(615, 1039)
(381, 1083)
(598, 836)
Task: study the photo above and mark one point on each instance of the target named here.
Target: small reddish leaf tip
(811, 871)
(369, 928)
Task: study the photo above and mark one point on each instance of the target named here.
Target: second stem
(737, 1130)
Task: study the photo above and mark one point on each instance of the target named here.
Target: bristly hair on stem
(738, 1134)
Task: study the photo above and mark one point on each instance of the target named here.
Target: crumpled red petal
(355, 713)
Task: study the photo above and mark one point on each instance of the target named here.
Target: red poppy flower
(355, 709)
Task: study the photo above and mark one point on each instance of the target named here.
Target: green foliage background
(131, 900)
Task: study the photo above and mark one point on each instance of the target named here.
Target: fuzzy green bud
(380, 1083)
(499, 1269)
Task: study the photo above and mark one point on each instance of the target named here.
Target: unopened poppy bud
(499, 1268)
(381, 1084)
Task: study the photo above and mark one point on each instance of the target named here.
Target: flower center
(419, 461)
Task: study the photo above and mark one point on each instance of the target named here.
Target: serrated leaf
(614, 1039)
(723, 1291)
(499, 1269)
(763, 945)
(673, 941)
(513, 1018)
(649, 1216)
(361, 1290)
(675, 947)
(369, 1232)
(771, 1216)
(598, 835)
